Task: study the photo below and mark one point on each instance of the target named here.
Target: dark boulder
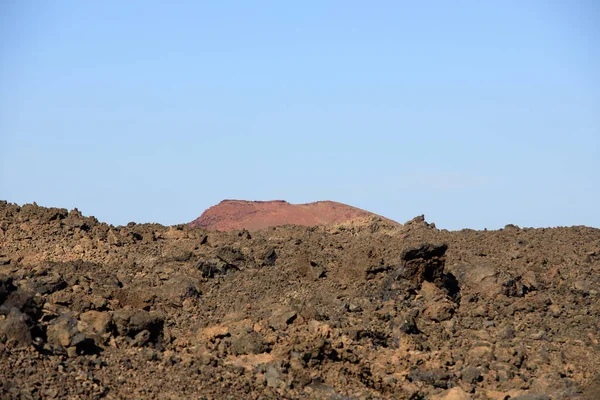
(15, 329)
(130, 322)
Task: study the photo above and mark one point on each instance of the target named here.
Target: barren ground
(363, 310)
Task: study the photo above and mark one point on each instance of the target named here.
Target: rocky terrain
(231, 215)
(369, 310)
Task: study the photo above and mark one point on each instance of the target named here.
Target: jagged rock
(281, 318)
(422, 263)
(418, 222)
(141, 338)
(270, 257)
(214, 267)
(64, 332)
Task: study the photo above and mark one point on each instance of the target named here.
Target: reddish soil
(231, 215)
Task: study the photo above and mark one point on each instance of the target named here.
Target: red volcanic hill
(231, 215)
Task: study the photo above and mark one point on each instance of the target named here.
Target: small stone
(554, 310)
(582, 286)
(281, 318)
(351, 307)
(72, 351)
(531, 396)
(489, 324)
(456, 393)
(214, 332)
(504, 376)
(273, 378)
(479, 355)
(538, 335)
(471, 375)
(507, 333)
(141, 338)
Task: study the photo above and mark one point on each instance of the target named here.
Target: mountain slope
(254, 215)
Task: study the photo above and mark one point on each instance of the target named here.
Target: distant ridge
(231, 215)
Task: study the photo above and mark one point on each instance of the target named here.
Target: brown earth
(351, 311)
(231, 215)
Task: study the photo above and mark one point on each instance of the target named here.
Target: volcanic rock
(356, 310)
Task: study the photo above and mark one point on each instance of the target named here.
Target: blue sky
(475, 113)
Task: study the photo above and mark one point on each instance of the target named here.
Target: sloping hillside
(254, 215)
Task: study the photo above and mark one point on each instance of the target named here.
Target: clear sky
(475, 113)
